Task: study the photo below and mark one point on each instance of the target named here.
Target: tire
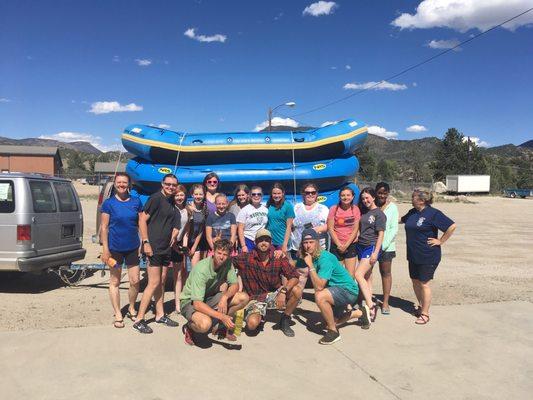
(512, 195)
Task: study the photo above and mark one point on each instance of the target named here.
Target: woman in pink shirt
(343, 227)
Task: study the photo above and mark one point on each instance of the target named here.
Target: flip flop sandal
(422, 320)
(385, 311)
(119, 323)
(131, 316)
(373, 313)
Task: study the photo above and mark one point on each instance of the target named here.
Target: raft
(168, 147)
(327, 174)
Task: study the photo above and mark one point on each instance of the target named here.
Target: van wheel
(512, 195)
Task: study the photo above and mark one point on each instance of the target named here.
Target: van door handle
(33, 219)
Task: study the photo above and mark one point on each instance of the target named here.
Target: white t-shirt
(316, 216)
(253, 219)
(184, 218)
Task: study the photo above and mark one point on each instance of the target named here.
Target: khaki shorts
(187, 310)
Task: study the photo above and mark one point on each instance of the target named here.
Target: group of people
(248, 256)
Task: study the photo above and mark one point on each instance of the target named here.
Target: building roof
(109, 167)
(28, 150)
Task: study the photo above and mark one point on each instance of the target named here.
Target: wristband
(146, 241)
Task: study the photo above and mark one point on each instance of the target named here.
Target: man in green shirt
(203, 303)
(335, 289)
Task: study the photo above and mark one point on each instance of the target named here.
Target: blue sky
(87, 69)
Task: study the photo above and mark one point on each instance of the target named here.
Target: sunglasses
(264, 239)
(310, 193)
(170, 184)
(257, 194)
(214, 182)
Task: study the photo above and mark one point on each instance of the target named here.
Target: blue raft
(166, 147)
(328, 198)
(327, 174)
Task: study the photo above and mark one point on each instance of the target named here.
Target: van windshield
(7, 197)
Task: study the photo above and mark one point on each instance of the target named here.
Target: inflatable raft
(327, 174)
(166, 147)
(328, 197)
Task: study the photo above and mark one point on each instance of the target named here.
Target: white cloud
(333, 68)
(115, 59)
(477, 141)
(83, 137)
(463, 15)
(380, 131)
(415, 84)
(347, 67)
(143, 62)
(320, 8)
(416, 128)
(191, 33)
(4, 100)
(106, 107)
(383, 85)
(277, 17)
(444, 44)
(328, 123)
(277, 121)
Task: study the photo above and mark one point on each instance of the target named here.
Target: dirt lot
(487, 260)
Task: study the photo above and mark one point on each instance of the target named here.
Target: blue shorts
(365, 251)
(341, 299)
(250, 244)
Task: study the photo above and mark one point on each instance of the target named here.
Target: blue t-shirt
(123, 233)
(277, 221)
(419, 227)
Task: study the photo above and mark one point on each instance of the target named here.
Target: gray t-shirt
(221, 224)
(371, 223)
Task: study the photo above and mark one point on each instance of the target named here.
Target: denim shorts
(342, 298)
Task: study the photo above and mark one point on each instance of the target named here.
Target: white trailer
(468, 183)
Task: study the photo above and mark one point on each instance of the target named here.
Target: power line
(411, 67)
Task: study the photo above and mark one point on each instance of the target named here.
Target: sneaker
(285, 326)
(330, 337)
(365, 318)
(188, 333)
(167, 321)
(142, 327)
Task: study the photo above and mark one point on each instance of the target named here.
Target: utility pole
(468, 155)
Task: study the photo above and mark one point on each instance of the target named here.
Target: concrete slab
(465, 352)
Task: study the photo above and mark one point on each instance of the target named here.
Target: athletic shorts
(176, 257)
(365, 251)
(387, 255)
(422, 272)
(250, 244)
(202, 246)
(128, 258)
(161, 259)
(341, 299)
(350, 252)
(187, 310)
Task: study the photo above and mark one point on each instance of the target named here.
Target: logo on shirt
(371, 219)
(420, 221)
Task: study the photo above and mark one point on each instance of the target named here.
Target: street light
(271, 110)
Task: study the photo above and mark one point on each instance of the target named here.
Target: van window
(65, 195)
(42, 197)
(7, 197)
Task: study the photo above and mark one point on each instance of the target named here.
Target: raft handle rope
(293, 171)
(178, 155)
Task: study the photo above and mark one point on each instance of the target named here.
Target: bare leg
(114, 291)
(200, 323)
(325, 303)
(153, 286)
(425, 291)
(418, 292)
(238, 302)
(164, 274)
(302, 278)
(197, 256)
(294, 297)
(134, 273)
(180, 275)
(253, 321)
(349, 264)
(386, 281)
(360, 273)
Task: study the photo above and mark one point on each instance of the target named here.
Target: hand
(148, 250)
(434, 242)
(173, 240)
(308, 258)
(223, 305)
(244, 249)
(281, 300)
(373, 258)
(227, 321)
(105, 256)
(278, 254)
(342, 248)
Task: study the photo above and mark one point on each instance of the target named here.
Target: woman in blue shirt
(280, 218)
(422, 224)
(119, 232)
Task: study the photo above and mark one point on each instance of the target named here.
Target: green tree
(367, 164)
(387, 170)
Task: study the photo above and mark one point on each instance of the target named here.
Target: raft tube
(328, 198)
(166, 147)
(327, 174)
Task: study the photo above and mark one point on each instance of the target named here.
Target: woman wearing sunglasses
(251, 218)
(211, 185)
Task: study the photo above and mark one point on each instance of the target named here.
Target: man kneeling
(203, 303)
(335, 289)
(261, 274)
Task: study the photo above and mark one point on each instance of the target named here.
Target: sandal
(131, 316)
(423, 319)
(385, 311)
(417, 311)
(119, 323)
(373, 312)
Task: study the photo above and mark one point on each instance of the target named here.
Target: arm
(318, 283)
(104, 232)
(209, 236)
(233, 237)
(392, 228)
(377, 248)
(332, 234)
(241, 237)
(439, 242)
(288, 230)
(143, 228)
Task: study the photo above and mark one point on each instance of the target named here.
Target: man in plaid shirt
(261, 274)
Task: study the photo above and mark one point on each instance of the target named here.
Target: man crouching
(335, 289)
(261, 273)
(203, 303)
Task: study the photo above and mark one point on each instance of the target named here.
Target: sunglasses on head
(257, 194)
(310, 193)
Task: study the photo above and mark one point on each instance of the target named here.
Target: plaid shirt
(259, 279)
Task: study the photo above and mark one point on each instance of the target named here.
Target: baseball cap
(309, 234)
(263, 232)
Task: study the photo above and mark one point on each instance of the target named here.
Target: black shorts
(422, 272)
(202, 246)
(350, 252)
(161, 258)
(130, 258)
(176, 257)
(387, 256)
